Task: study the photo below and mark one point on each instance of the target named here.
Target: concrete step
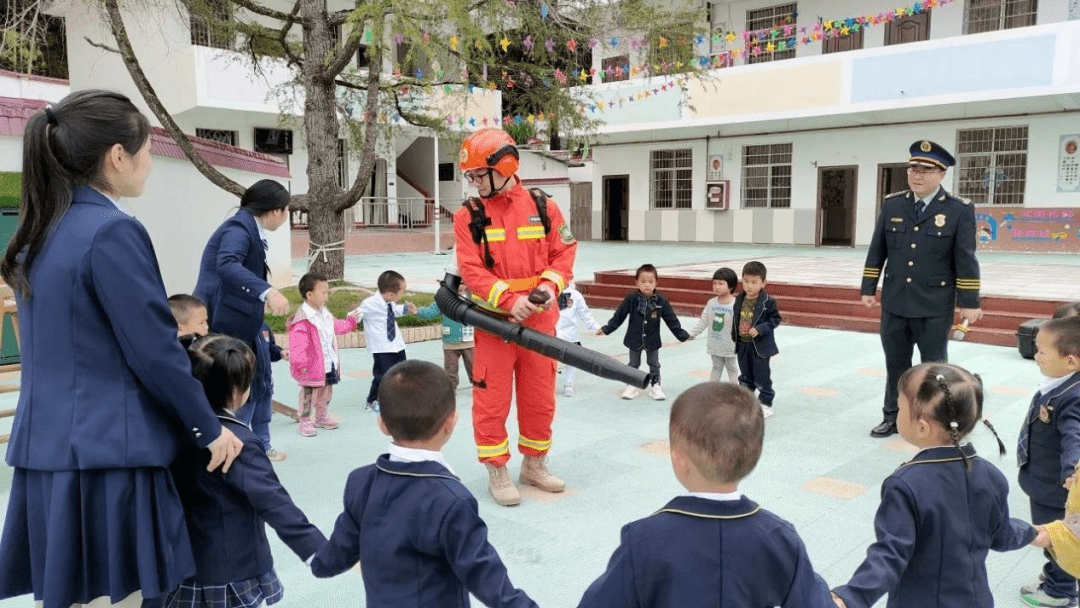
(821, 306)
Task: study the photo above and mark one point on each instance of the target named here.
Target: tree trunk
(326, 228)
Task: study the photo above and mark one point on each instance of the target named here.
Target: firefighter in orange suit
(504, 251)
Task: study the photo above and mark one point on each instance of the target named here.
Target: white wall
(865, 148)
(33, 88)
(181, 209)
(11, 150)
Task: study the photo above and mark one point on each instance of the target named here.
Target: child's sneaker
(372, 406)
(657, 393)
(631, 392)
(568, 390)
(307, 428)
(325, 421)
(767, 411)
(1034, 596)
(276, 455)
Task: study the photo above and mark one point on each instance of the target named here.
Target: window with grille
(215, 29)
(671, 179)
(221, 136)
(343, 164)
(616, 68)
(766, 176)
(991, 165)
(672, 49)
(990, 15)
(772, 18)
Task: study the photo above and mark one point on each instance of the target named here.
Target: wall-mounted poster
(1069, 164)
(716, 166)
(717, 195)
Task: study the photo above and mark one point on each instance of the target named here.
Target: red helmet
(491, 147)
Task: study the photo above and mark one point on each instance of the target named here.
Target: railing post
(438, 206)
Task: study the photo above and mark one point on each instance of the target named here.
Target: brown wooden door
(836, 204)
(913, 28)
(837, 44)
(581, 210)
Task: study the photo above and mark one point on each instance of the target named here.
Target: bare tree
(31, 41)
(438, 47)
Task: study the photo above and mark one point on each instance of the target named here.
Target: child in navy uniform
(190, 314)
(1049, 447)
(226, 512)
(645, 307)
(756, 316)
(942, 511)
(712, 542)
(408, 520)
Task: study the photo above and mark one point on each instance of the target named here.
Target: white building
(804, 142)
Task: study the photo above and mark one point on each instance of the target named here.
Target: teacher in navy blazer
(107, 394)
(232, 282)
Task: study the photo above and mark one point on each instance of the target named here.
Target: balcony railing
(384, 212)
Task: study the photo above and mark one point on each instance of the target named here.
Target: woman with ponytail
(107, 395)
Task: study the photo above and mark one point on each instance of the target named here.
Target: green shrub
(343, 300)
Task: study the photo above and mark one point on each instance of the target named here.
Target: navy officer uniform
(935, 526)
(1047, 454)
(702, 552)
(417, 533)
(931, 268)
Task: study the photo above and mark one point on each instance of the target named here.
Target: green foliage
(521, 132)
(344, 300)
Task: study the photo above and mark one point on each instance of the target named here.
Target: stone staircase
(820, 306)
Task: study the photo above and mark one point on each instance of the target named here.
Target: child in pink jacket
(313, 353)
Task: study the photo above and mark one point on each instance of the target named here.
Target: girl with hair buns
(944, 510)
(107, 395)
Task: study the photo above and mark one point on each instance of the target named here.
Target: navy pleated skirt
(72, 536)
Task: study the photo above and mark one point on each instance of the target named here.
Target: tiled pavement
(820, 469)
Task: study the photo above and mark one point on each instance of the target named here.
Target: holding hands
(277, 303)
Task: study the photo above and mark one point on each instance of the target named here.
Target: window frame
(1010, 14)
(1002, 154)
(760, 21)
(221, 136)
(777, 170)
(210, 35)
(671, 186)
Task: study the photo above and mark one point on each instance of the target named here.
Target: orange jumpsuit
(524, 257)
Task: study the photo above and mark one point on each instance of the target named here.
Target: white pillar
(435, 193)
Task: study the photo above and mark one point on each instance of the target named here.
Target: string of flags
(783, 35)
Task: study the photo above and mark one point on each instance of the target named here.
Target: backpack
(480, 220)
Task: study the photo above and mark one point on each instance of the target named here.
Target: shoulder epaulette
(900, 193)
(963, 200)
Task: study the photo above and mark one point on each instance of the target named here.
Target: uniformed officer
(928, 237)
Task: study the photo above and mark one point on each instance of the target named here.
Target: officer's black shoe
(884, 429)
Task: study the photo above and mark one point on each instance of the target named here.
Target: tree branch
(259, 9)
(119, 32)
(101, 46)
(291, 19)
(367, 161)
(344, 55)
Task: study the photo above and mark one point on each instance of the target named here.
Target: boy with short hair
(712, 542)
(422, 542)
(1049, 447)
(756, 316)
(718, 316)
(382, 336)
(190, 314)
(1069, 309)
(645, 307)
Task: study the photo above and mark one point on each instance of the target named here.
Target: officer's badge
(565, 235)
(939, 220)
(1044, 414)
(925, 146)
(655, 314)
(896, 220)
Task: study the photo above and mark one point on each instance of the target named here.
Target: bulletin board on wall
(1051, 230)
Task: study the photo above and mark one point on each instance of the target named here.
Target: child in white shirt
(572, 309)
